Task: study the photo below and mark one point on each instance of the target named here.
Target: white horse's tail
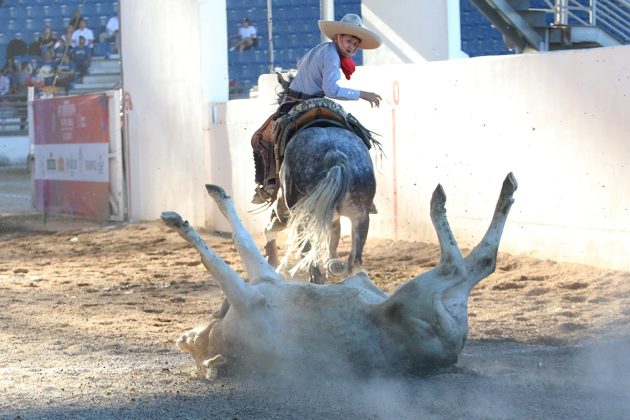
(311, 218)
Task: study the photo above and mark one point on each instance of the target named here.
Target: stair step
(78, 89)
(520, 5)
(535, 18)
(102, 78)
(105, 66)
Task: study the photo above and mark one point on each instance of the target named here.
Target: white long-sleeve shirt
(319, 71)
(86, 33)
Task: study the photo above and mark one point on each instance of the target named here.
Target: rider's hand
(371, 97)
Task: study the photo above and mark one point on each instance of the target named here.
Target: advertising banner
(71, 148)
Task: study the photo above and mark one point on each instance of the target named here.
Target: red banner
(72, 155)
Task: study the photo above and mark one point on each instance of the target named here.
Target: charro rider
(317, 76)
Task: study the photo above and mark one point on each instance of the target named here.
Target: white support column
(116, 177)
(326, 12)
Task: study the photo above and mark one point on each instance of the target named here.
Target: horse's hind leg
(334, 266)
(335, 236)
(360, 227)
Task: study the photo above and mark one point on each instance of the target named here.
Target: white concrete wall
(170, 81)
(557, 120)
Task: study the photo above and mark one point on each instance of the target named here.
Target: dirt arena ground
(90, 314)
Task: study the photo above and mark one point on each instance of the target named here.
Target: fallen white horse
(275, 325)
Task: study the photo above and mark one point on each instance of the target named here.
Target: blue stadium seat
(233, 16)
(53, 11)
(259, 55)
(17, 12)
(285, 12)
(86, 9)
(11, 25)
(281, 25)
(102, 49)
(35, 11)
(293, 40)
(312, 39)
(110, 8)
(240, 4)
(65, 10)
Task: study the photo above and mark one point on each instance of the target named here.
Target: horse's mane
(284, 84)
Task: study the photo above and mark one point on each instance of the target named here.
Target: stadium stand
(25, 19)
(22, 23)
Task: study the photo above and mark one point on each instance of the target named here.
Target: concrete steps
(105, 74)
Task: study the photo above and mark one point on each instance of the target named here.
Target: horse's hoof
(336, 267)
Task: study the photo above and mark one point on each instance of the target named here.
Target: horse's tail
(311, 217)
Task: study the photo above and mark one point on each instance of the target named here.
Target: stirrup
(263, 194)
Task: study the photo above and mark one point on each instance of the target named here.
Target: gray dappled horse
(326, 173)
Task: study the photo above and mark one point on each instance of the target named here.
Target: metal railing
(13, 115)
(613, 16)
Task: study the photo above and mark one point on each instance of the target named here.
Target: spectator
(85, 32)
(64, 77)
(10, 69)
(10, 65)
(46, 71)
(24, 78)
(246, 35)
(47, 40)
(5, 83)
(74, 21)
(111, 32)
(81, 56)
(64, 42)
(16, 47)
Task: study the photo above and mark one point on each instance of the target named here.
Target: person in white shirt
(112, 29)
(5, 82)
(247, 36)
(85, 32)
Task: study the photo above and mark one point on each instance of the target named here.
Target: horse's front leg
(271, 233)
(277, 223)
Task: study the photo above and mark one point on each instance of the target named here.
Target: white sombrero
(351, 24)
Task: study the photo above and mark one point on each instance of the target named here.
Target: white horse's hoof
(336, 267)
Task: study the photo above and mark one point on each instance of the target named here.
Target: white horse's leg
(482, 260)
(451, 259)
(254, 262)
(239, 293)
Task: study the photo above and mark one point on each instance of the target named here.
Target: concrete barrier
(557, 120)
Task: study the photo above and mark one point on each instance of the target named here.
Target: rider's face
(347, 44)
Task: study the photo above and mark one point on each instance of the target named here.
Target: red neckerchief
(347, 65)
